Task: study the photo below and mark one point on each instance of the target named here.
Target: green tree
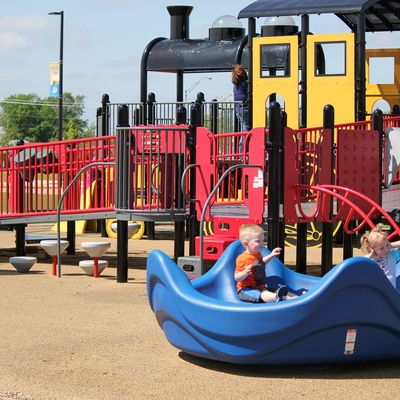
(90, 131)
(28, 117)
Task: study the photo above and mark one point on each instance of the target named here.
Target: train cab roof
(380, 15)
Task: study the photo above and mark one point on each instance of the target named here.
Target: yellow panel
(286, 86)
(336, 90)
(388, 92)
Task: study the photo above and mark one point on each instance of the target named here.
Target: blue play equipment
(351, 314)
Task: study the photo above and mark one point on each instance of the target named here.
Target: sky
(104, 42)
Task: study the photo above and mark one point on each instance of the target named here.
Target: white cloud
(12, 41)
(126, 76)
(77, 37)
(25, 22)
(10, 79)
(124, 62)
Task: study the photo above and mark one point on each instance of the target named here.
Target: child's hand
(276, 252)
(372, 254)
(249, 269)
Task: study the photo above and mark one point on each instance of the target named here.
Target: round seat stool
(88, 266)
(95, 249)
(22, 264)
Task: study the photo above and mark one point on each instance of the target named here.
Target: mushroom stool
(22, 263)
(96, 250)
(50, 246)
(133, 227)
(88, 266)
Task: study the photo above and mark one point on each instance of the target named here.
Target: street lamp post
(60, 84)
(192, 87)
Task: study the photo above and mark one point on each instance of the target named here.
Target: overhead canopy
(380, 16)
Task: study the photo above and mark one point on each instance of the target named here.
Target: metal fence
(218, 117)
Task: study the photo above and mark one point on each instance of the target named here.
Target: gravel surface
(15, 395)
(81, 338)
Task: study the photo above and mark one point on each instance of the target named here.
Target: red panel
(213, 246)
(244, 186)
(358, 164)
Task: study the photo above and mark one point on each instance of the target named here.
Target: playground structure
(262, 182)
(153, 163)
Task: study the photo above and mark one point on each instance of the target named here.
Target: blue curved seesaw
(350, 314)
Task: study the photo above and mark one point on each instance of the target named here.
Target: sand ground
(81, 338)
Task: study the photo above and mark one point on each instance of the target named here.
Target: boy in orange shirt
(250, 274)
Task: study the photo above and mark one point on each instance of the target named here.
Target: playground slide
(350, 314)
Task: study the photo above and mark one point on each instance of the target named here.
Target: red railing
(155, 158)
(349, 206)
(33, 177)
(308, 139)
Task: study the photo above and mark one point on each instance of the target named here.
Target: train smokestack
(179, 21)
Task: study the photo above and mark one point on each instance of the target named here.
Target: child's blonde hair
(247, 230)
(371, 238)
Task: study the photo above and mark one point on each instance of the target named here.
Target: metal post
(179, 241)
(251, 34)
(305, 27)
(180, 115)
(200, 98)
(151, 99)
(60, 83)
(60, 94)
(327, 228)
(136, 117)
(377, 125)
(20, 239)
(214, 116)
(122, 226)
(122, 253)
(20, 228)
(360, 68)
(195, 114)
(195, 121)
(301, 248)
(98, 121)
(104, 115)
(179, 86)
(71, 230)
(274, 174)
(282, 222)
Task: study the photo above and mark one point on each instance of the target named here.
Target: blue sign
(54, 90)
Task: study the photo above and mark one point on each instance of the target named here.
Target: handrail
(95, 164)
(183, 182)
(332, 190)
(211, 195)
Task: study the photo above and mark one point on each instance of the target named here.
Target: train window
(381, 70)
(330, 58)
(275, 60)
